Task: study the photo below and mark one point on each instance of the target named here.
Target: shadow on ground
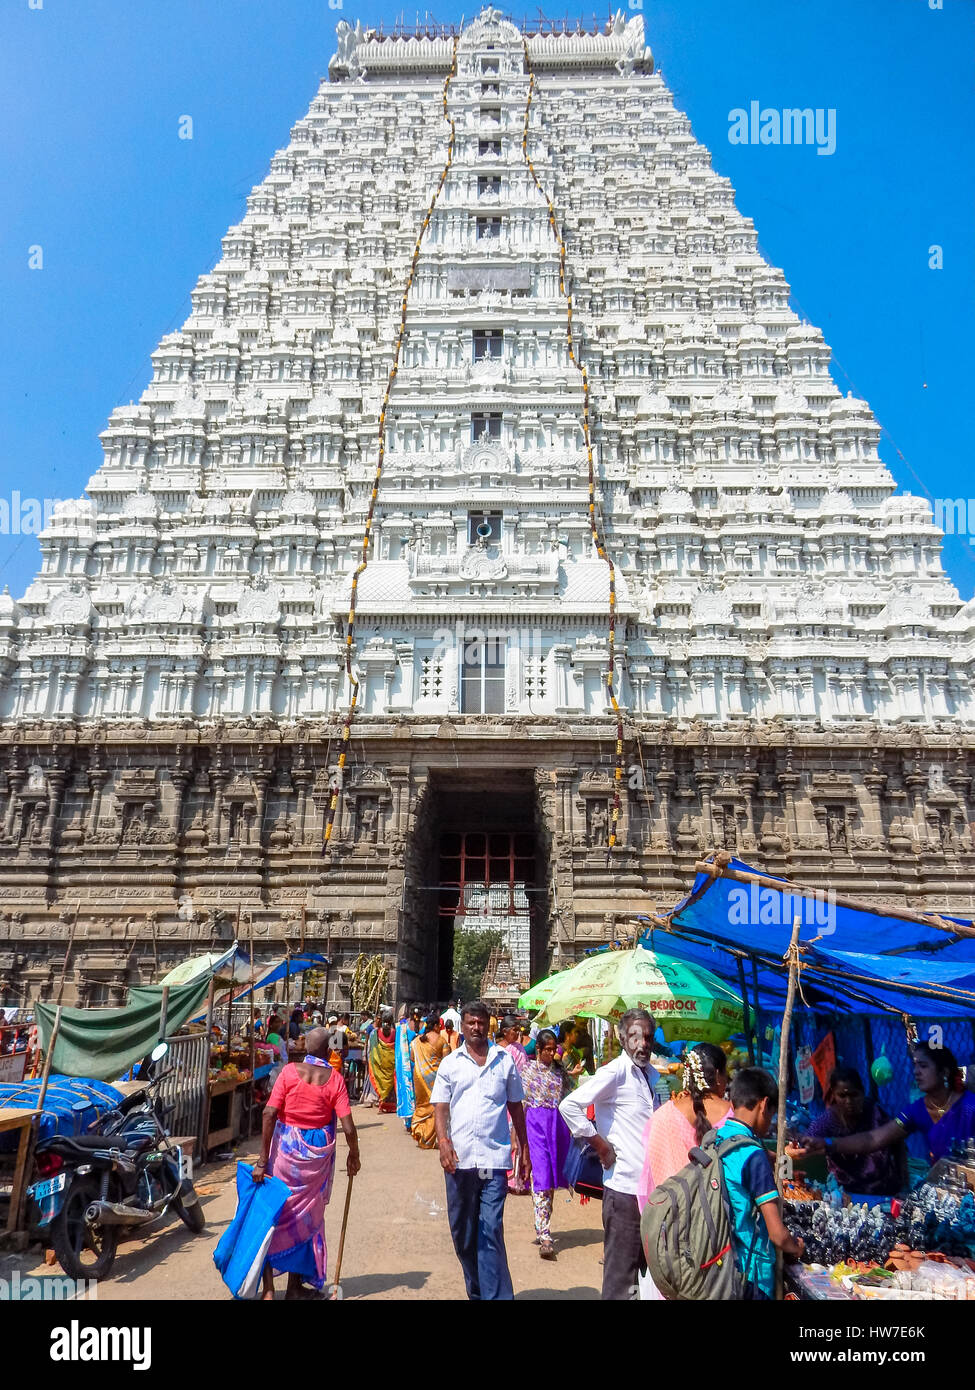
(364, 1285)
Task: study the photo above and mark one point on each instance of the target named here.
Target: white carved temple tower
(793, 668)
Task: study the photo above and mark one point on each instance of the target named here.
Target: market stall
(810, 967)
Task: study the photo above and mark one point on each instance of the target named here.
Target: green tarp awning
(103, 1043)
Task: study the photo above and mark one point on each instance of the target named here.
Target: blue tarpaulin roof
(854, 960)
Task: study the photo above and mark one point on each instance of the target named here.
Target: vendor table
(814, 1284)
(223, 1123)
(22, 1120)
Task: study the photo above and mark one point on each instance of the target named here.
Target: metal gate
(184, 1085)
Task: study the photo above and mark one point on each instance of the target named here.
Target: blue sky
(128, 215)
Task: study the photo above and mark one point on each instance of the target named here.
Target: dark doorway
(483, 868)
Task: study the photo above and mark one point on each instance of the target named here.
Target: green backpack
(686, 1227)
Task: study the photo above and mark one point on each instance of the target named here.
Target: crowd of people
(510, 1107)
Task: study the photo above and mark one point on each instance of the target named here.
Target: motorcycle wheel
(191, 1216)
(83, 1251)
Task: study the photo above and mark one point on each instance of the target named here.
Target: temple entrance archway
(480, 865)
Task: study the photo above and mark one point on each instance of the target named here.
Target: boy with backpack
(757, 1224)
(708, 1231)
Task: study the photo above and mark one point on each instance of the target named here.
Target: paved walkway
(397, 1247)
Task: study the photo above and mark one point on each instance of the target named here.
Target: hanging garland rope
(335, 798)
(594, 526)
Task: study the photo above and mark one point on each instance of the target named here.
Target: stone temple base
(165, 841)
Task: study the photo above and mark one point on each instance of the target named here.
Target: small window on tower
(490, 64)
(492, 114)
(486, 148)
(482, 676)
(484, 526)
(490, 89)
(488, 342)
(488, 184)
(488, 228)
(484, 427)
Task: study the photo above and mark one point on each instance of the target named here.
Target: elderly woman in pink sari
(674, 1129)
(298, 1146)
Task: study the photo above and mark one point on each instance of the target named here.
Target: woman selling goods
(545, 1083)
(674, 1129)
(298, 1146)
(406, 1030)
(382, 1064)
(848, 1111)
(427, 1052)
(944, 1113)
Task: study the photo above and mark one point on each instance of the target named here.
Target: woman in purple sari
(545, 1083)
(944, 1113)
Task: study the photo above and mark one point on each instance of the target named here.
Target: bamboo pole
(163, 1013)
(790, 999)
(67, 954)
(785, 885)
(205, 1109)
(230, 993)
(336, 1293)
(746, 1012)
(48, 1059)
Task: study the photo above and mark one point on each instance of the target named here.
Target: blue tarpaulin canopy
(737, 922)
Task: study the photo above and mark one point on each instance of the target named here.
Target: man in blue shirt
(750, 1183)
(476, 1089)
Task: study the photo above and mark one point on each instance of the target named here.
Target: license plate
(49, 1186)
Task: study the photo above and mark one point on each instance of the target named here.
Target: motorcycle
(123, 1174)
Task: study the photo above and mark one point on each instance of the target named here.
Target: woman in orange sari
(427, 1051)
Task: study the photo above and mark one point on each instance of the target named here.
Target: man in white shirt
(624, 1099)
(451, 1016)
(476, 1089)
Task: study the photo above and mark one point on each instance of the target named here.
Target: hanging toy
(881, 1070)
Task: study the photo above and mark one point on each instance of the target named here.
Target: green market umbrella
(687, 1001)
(538, 995)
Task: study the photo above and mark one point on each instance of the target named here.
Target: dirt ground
(397, 1246)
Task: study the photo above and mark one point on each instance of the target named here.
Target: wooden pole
(67, 954)
(746, 1012)
(230, 995)
(205, 1109)
(790, 998)
(784, 885)
(345, 1221)
(758, 1011)
(48, 1059)
(163, 1013)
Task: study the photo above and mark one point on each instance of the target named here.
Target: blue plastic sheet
(59, 1116)
(242, 1250)
(892, 955)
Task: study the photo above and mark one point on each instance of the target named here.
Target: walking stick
(336, 1294)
